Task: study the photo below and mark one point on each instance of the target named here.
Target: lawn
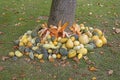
(19, 16)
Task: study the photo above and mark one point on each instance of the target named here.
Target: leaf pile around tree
(55, 43)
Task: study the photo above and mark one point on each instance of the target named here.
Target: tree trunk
(63, 10)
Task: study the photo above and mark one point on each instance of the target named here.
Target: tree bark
(62, 10)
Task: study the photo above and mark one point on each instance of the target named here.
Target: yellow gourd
(83, 39)
(79, 56)
(69, 44)
(82, 51)
(58, 56)
(11, 54)
(72, 53)
(98, 43)
(40, 56)
(98, 32)
(104, 40)
(18, 53)
(95, 37)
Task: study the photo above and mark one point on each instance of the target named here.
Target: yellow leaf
(92, 68)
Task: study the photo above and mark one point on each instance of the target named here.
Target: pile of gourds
(43, 43)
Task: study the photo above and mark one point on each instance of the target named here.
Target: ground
(18, 16)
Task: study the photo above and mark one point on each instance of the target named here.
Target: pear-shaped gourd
(83, 39)
(72, 53)
(18, 53)
(69, 44)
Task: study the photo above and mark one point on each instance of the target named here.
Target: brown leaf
(42, 61)
(1, 68)
(15, 47)
(101, 52)
(37, 20)
(76, 59)
(117, 30)
(14, 78)
(75, 66)
(90, 62)
(70, 78)
(56, 65)
(4, 58)
(22, 75)
(1, 33)
(110, 72)
(1, 42)
(84, 74)
(20, 19)
(54, 76)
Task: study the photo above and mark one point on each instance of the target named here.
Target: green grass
(105, 13)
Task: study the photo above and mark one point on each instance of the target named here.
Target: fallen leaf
(101, 52)
(15, 47)
(84, 74)
(42, 61)
(76, 59)
(22, 75)
(117, 30)
(14, 78)
(90, 62)
(1, 68)
(110, 72)
(90, 13)
(70, 78)
(1, 42)
(54, 76)
(75, 66)
(63, 27)
(56, 65)
(94, 78)
(92, 68)
(85, 58)
(37, 20)
(20, 19)
(27, 59)
(75, 29)
(1, 33)
(18, 24)
(4, 58)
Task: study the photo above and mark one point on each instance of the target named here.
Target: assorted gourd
(54, 43)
